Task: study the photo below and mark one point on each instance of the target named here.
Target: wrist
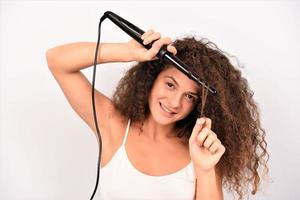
(205, 173)
(125, 53)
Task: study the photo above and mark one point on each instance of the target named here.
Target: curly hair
(233, 111)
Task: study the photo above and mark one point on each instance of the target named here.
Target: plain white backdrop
(47, 152)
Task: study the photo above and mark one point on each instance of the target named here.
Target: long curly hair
(234, 113)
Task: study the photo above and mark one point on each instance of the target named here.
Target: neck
(157, 132)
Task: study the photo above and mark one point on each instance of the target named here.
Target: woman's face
(173, 96)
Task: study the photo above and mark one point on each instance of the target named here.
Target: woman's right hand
(141, 54)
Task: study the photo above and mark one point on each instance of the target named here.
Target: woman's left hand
(205, 147)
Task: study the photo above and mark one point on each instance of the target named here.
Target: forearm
(208, 186)
(76, 56)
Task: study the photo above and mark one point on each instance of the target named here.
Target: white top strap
(126, 133)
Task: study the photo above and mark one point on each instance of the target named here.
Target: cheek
(160, 92)
(154, 95)
(189, 108)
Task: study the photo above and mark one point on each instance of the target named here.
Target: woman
(157, 141)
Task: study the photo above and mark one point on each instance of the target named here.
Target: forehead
(181, 79)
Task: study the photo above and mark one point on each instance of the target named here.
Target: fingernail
(200, 121)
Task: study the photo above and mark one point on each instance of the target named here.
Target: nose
(175, 101)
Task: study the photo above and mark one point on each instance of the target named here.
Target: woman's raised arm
(65, 63)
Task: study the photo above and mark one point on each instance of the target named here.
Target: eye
(170, 85)
(191, 98)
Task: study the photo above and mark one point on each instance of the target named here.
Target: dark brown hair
(234, 113)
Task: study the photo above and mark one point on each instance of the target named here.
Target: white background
(47, 152)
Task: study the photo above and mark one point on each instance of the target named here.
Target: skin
(205, 149)
(173, 90)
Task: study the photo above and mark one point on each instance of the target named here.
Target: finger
(157, 46)
(220, 150)
(209, 140)
(214, 147)
(163, 41)
(196, 129)
(172, 49)
(202, 136)
(207, 123)
(159, 43)
(147, 33)
(150, 38)
(152, 53)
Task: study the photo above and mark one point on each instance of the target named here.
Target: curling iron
(136, 33)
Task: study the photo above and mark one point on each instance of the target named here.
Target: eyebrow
(178, 85)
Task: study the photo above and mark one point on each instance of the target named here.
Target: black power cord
(94, 109)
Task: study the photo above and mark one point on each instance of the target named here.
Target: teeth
(166, 109)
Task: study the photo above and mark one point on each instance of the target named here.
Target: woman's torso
(134, 163)
(143, 154)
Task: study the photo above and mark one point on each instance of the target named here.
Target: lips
(166, 109)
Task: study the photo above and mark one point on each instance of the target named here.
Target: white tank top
(120, 180)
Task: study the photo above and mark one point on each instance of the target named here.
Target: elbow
(50, 58)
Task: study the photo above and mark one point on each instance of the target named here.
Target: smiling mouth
(166, 109)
